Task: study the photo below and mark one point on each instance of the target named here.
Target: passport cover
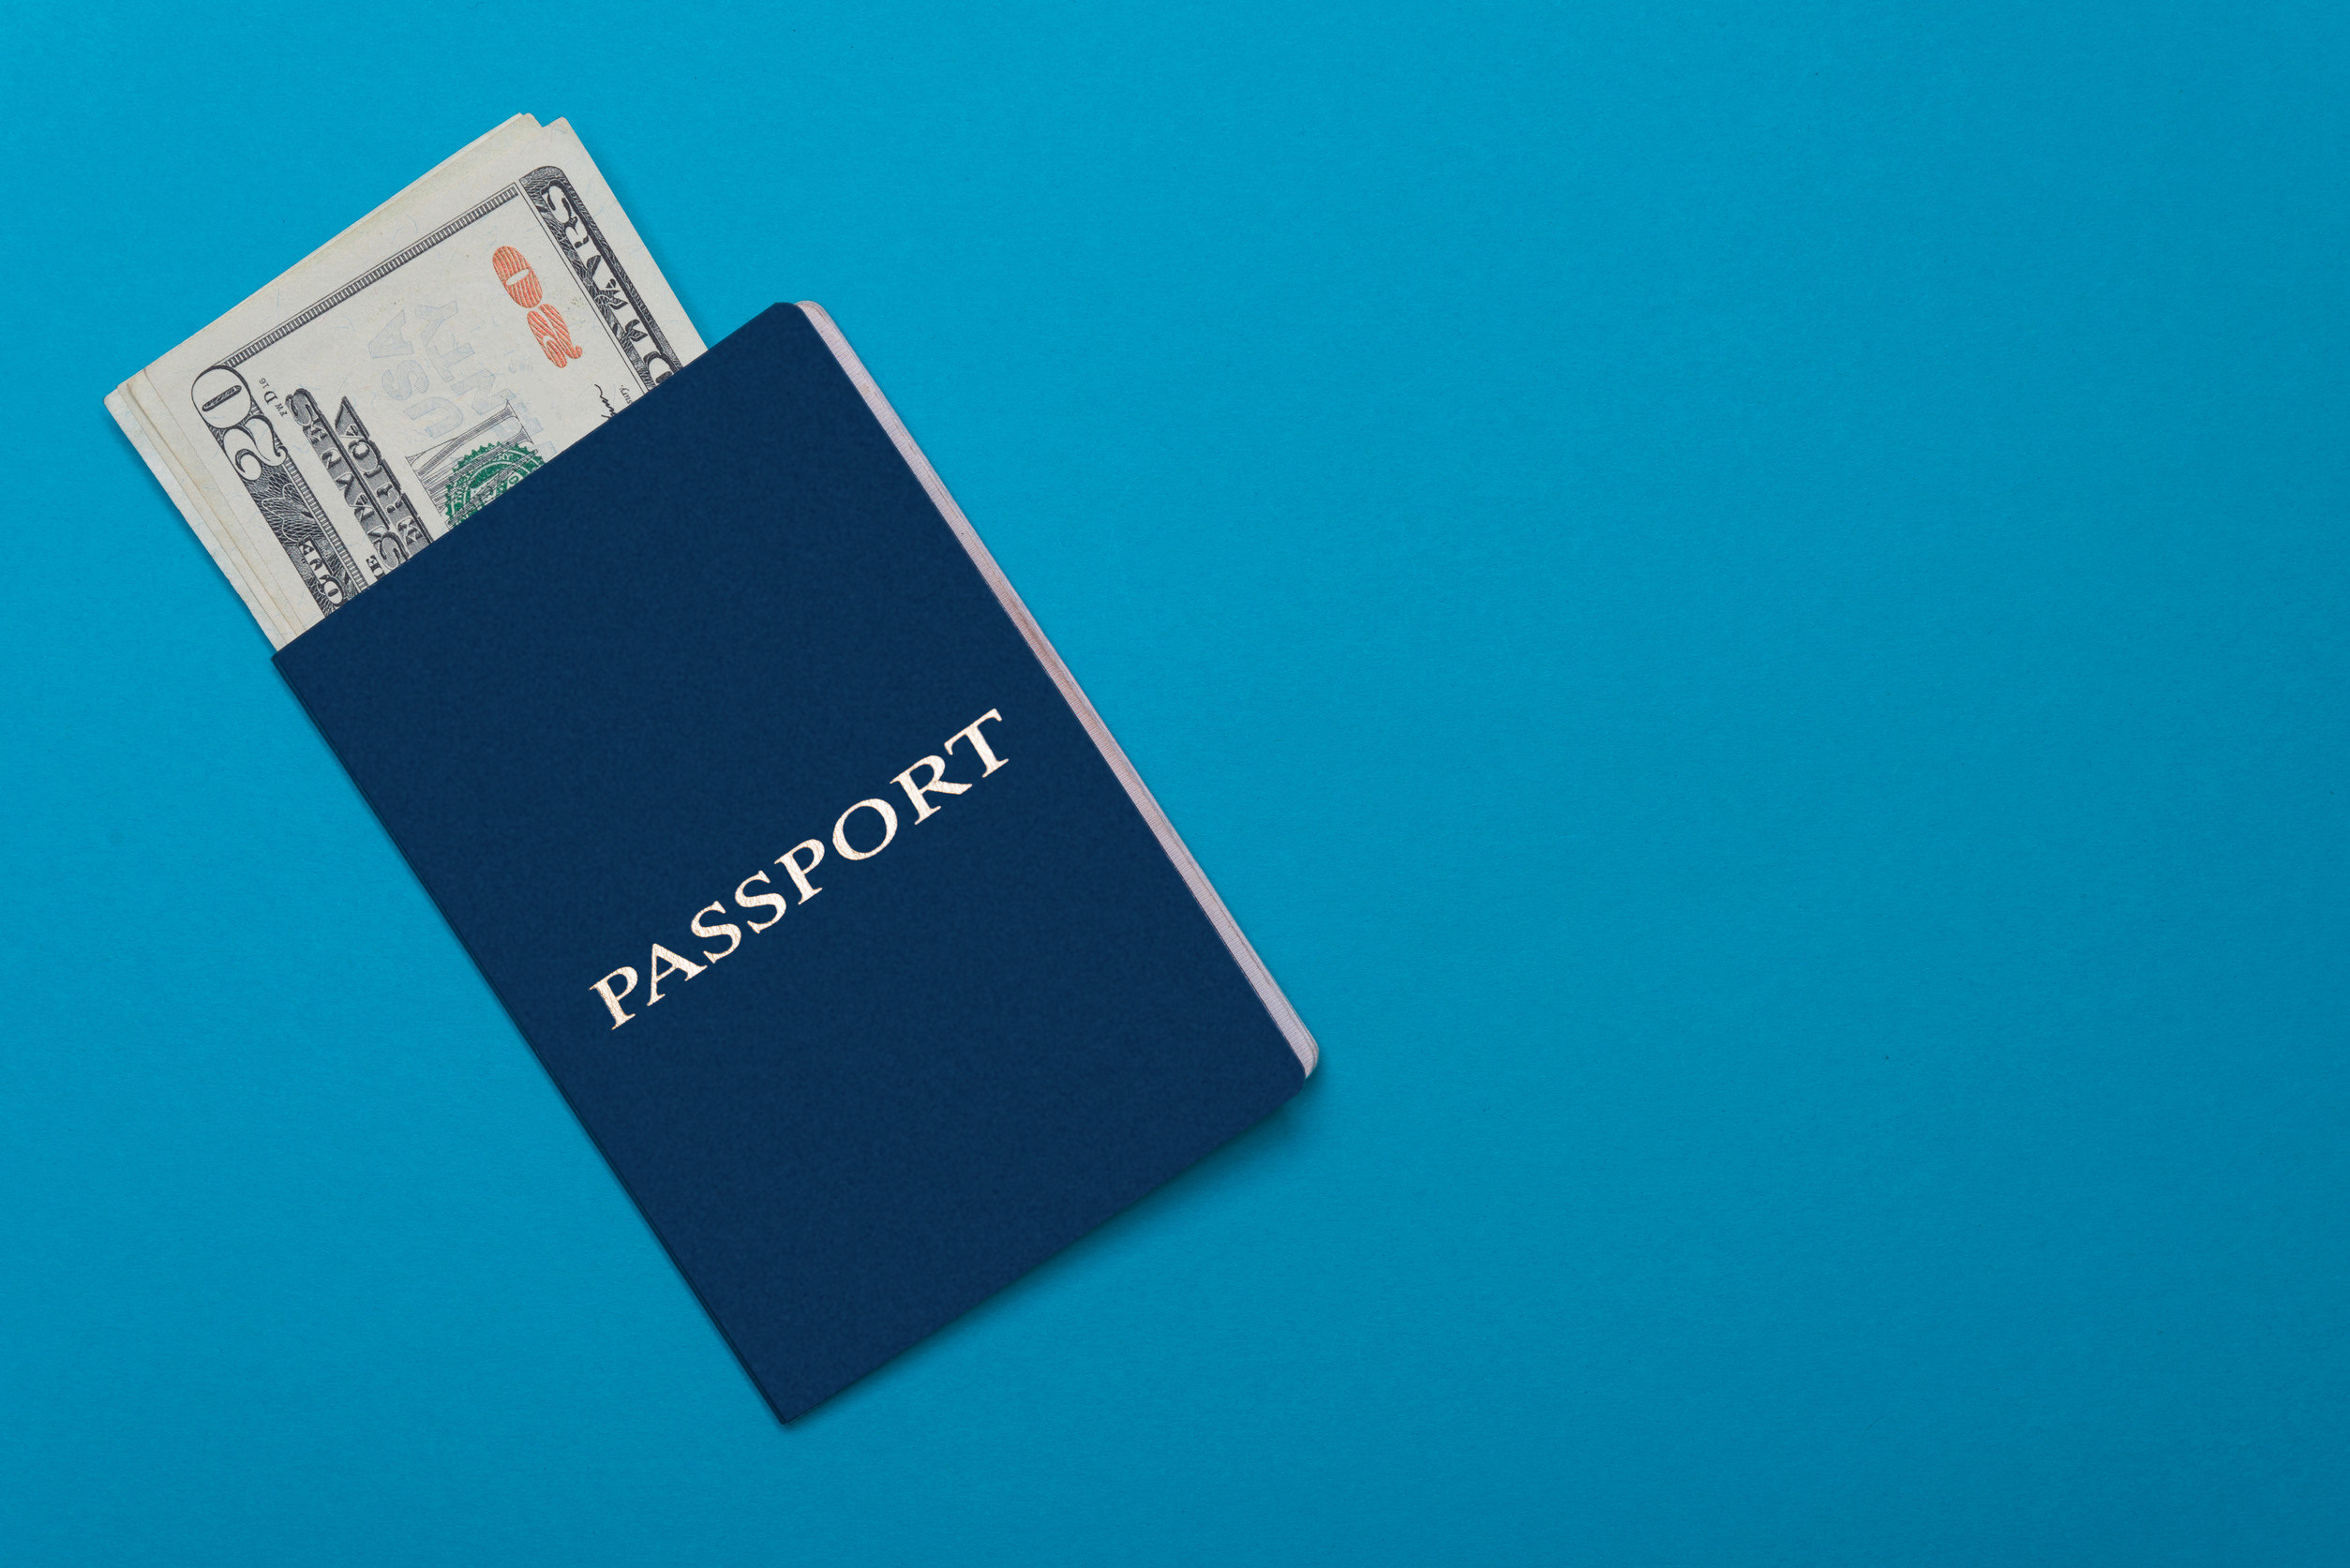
(797, 855)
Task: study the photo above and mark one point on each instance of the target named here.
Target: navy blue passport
(795, 853)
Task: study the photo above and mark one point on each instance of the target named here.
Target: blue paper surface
(1746, 603)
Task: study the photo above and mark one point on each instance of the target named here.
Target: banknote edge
(175, 441)
(319, 253)
(153, 441)
(623, 226)
(142, 441)
(158, 432)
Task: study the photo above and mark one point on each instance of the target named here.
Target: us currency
(147, 421)
(406, 373)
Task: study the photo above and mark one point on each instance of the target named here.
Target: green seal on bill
(484, 474)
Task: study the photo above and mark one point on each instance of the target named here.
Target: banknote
(149, 431)
(406, 373)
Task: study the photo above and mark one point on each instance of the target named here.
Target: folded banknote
(406, 373)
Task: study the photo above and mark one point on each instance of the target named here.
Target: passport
(796, 853)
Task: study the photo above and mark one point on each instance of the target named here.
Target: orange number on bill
(521, 283)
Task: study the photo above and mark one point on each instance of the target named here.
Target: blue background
(1747, 603)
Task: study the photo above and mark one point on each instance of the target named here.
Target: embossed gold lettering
(603, 988)
(922, 784)
(678, 964)
(938, 784)
(731, 932)
(978, 741)
(889, 830)
(789, 860)
(760, 901)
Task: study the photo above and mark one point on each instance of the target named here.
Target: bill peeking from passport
(409, 371)
(701, 640)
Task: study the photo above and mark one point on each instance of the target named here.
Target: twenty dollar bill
(406, 373)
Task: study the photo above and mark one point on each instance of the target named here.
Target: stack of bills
(407, 372)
